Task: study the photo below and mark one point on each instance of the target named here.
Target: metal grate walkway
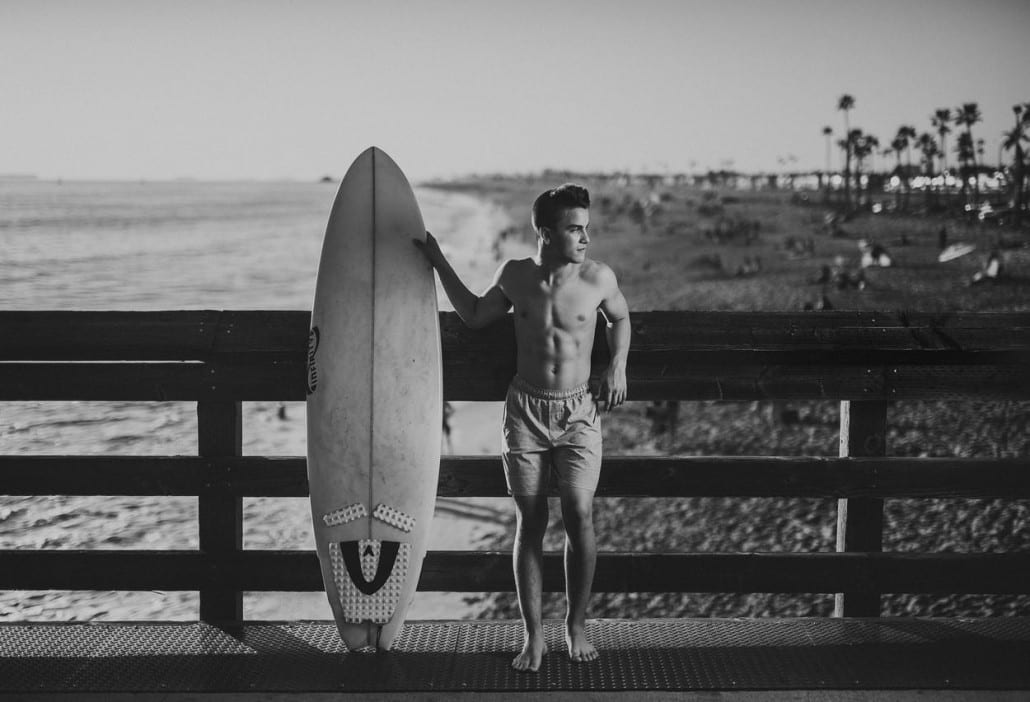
(685, 654)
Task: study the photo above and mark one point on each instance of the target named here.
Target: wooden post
(863, 432)
(220, 429)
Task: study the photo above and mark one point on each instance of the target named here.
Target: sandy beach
(689, 248)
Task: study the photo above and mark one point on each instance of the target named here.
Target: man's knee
(578, 510)
(532, 515)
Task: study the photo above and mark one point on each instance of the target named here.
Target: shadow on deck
(436, 659)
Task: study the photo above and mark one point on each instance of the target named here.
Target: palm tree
(845, 146)
(1013, 139)
(868, 146)
(928, 147)
(941, 118)
(967, 116)
(907, 134)
(898, 144)
(1024, 119)
(966, 152)
(828, 133)
(845, 103)
(863, 146)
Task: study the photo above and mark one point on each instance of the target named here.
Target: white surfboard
(375, 402)
(954, 251)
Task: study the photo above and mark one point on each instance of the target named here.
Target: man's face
(569, 238)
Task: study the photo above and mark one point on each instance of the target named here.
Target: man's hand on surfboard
(431, 248)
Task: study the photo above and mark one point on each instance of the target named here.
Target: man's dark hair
(550, 204)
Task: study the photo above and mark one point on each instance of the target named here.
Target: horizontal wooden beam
(261, 355)
(480, 476)
(244, 380)
(832, 330)
(146, 336)
(466, 571)
(686, 375)
(206, 334)
(750, 572)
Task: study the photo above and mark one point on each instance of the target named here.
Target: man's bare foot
(532, 655)
(580, 650)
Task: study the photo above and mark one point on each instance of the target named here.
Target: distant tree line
(857, 146)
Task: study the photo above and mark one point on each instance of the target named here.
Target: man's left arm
(616, 311)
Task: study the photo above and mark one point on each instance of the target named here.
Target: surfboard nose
(373, 152)
(375, 164)
(382, 160)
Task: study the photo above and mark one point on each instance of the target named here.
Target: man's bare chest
(569, 307)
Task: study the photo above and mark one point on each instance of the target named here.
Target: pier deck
(435, 660)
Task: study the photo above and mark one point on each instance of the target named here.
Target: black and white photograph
(498, 349)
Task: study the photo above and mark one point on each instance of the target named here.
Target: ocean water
(188, 245)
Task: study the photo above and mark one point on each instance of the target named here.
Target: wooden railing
(222, 358)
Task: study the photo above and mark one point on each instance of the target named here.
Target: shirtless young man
(550, 415)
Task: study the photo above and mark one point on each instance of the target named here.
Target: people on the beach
(874, 254)
(840, 276)
(991, 269)
(551, 417)
(751, 266)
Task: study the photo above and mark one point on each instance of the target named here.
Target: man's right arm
(475, 311)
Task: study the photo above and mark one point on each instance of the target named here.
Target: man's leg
(531, 513)
(580, 559)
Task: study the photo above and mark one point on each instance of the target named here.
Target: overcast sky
(263, 89)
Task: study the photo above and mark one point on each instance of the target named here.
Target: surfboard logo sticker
(369, 575)
(313, 338)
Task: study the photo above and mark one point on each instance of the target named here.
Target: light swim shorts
(550, 428)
